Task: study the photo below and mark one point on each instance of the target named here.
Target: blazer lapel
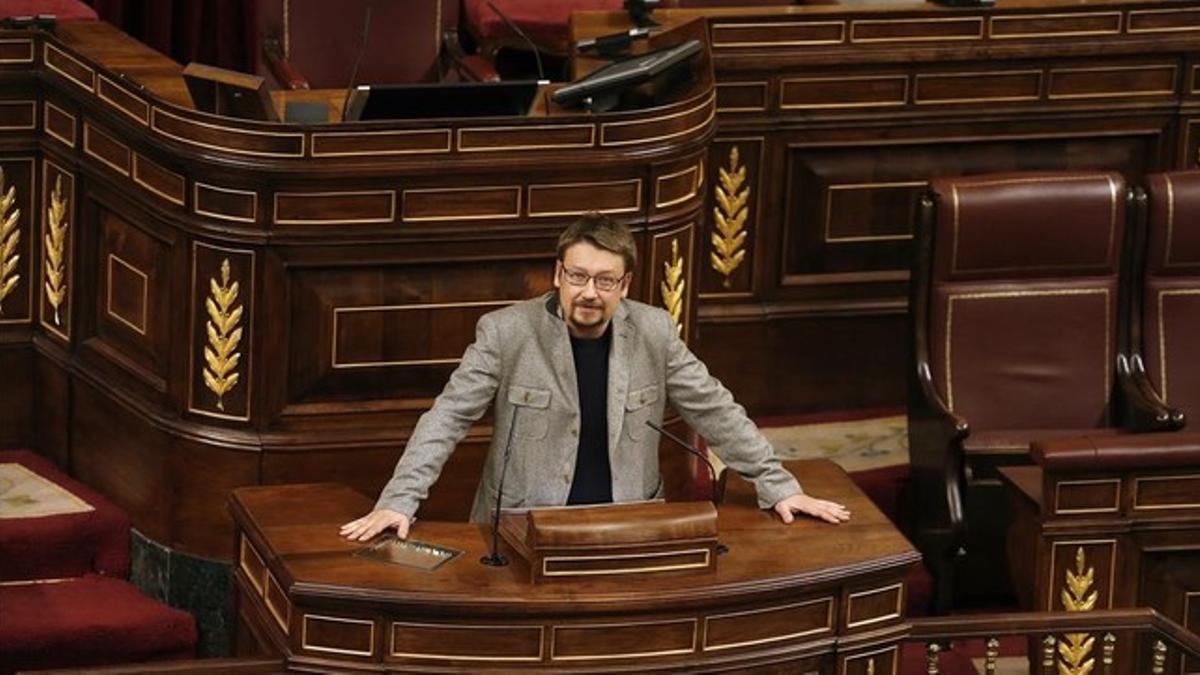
(554, 334)
(618, 377)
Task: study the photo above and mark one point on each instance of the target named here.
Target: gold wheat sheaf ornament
(10, 238)
(224, 335)
(729, 215)
(56, 246)
(673, 285)
(1076, 648)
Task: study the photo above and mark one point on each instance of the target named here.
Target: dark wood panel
(52, 400)
(221, 332)
(16, 414)
(205, 475)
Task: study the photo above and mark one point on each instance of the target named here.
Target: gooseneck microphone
(362, 49)
(718, 486)
(494, 559)
(537, 55)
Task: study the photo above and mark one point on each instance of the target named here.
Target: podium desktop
(809, 596)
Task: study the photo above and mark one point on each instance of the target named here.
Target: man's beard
(598, 309)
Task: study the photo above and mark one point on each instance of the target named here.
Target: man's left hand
(830, 512)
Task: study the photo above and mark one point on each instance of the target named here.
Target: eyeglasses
(603, 282)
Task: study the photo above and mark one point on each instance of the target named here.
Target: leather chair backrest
(1023, 298)
(322, 38)
(1171, 295)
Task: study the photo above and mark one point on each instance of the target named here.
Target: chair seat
(1017, 441)
(88, 621)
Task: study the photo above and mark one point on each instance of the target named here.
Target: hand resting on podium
(375, 522)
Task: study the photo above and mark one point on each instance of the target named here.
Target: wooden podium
(806, 597)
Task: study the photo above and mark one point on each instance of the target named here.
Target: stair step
(65, 545)
(89, 621)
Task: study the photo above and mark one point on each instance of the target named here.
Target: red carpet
(64, 600)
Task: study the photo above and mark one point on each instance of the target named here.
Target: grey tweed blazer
(521, 363)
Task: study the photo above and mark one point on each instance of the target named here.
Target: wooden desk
(1133, 535)
(345, 266)
(805, 597)
(840, 114)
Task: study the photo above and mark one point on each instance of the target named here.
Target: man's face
(587, 307)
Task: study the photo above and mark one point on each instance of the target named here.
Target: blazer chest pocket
(531, 411)
(638, 406)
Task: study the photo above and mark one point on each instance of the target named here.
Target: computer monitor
(608, 82)
(430, 101)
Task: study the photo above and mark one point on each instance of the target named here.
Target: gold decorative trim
(1162, 335)
(636, 182)
(777, 638)
(192, 360)
(30, 239)
(734, 85)
(10, 239)
(546, 562)
(1112, 221)
(137, 178)
(917, 100)
(1135, 13)
(32, 114)
(830, 239)
(903, 100)
(54, 258)
(732, 209)
(317, 136)
(658, 183)
(465, 657)
(591, 142)
(89, 85)
(757, 187)
(141, 329)
(304, 644)
(391, 217)
(1170, 220)
(1023, 294)
(27, 43)
(623, 655)
(197, 185)
(224, 336)
(88, 129)
(1187, 613)
(1050, 95)
(1137, 484)
(50, 132)
(840, 25)
(1075, 650)
(260, 584)
(854, 25)
(486, 216)
(896, 613)
(337, 365)
(156, 111)
(1059, 510)
(143, 119)
(710, 102)
(282, 616)
(992, 21)
(1112, 565)
(893, 650)
(673, 286)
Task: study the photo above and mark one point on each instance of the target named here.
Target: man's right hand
(375, 522)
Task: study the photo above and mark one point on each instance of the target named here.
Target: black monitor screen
(429, 101)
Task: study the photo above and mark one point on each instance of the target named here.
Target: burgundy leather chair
(1168, 299)
(1018, 313)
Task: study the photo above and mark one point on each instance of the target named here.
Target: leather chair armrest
(280, 67)
(1140, 407)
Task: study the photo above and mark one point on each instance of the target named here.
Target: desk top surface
(296, 526)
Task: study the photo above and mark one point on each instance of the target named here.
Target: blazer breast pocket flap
(640, 398)
(529, 397)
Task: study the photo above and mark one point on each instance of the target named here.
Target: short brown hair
(602, 232)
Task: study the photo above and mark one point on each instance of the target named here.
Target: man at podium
(574, 376)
